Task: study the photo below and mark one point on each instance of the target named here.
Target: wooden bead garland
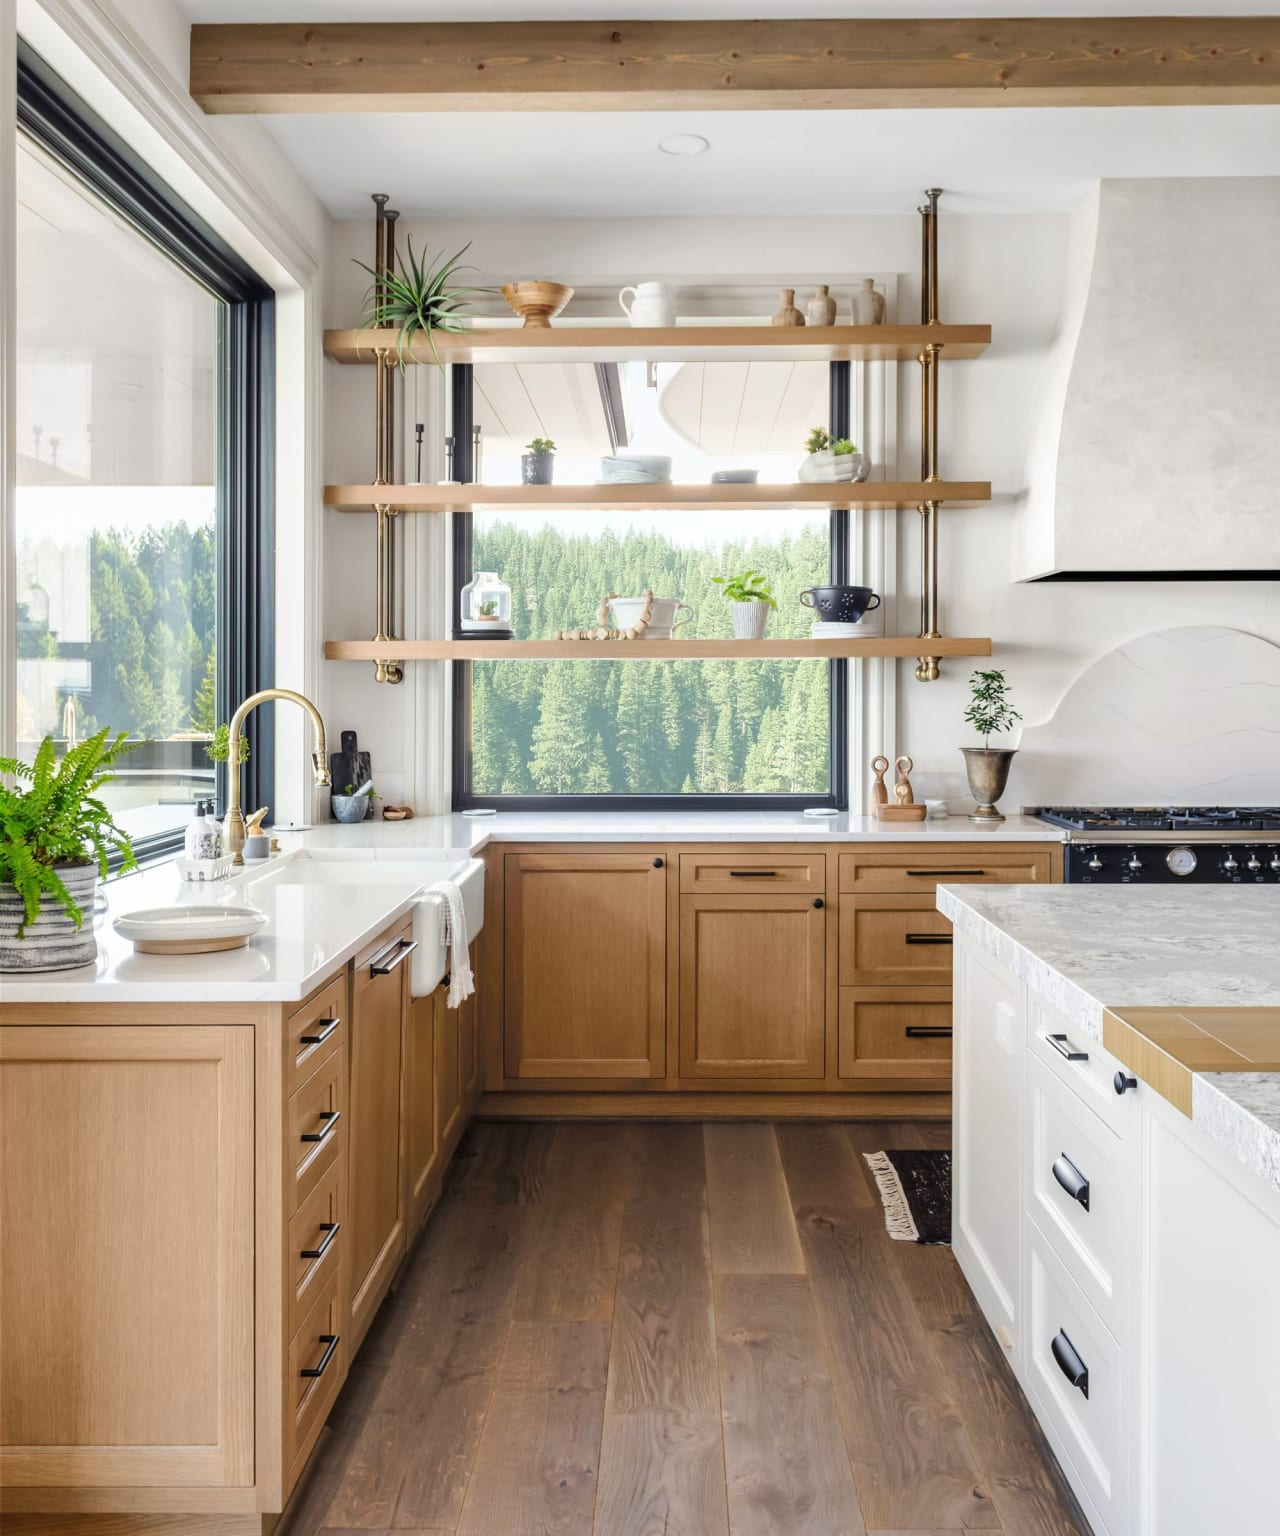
(602, 630)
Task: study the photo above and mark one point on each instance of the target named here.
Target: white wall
(1011, 271)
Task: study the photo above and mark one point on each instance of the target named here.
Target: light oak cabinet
(585, 965)
(752, 986)
(422, 1143)
(127, 1265)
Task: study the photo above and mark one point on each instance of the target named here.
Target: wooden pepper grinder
(879, 792)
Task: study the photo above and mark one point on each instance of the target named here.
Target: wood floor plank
(753, 1230)
(661, 1474)
(571, 1269)
(663, 1354)
(535, 1473)
(1027, 1488)
(786, 1465)
(912, 1461)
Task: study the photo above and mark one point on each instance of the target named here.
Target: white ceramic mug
(651, 304)
(627, 611)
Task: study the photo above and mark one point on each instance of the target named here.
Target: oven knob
(1255, 863)
(1275, 862)
(1096, 863)
(1230, 864)
(1135, 863)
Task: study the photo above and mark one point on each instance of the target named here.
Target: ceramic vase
(821, 308)
(987, 769)
(537, 468)
(52, 942)
(868, 305)
(749, 620)
(651, 304)
(788, 314)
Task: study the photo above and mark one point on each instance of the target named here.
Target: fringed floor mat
(915, 1190)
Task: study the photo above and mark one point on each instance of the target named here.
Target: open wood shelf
(650, 498)
(678, 344)
(649, 650)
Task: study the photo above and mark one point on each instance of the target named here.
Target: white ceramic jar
(652, 304)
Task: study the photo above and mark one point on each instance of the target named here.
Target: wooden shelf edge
(684, 343)
(652, 498)
(651, 650)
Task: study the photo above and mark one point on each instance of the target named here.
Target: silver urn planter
(52, 942)
(987, 769)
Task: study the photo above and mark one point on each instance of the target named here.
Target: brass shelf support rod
(384, 444)
(927, 666)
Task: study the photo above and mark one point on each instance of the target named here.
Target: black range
(1196, 844)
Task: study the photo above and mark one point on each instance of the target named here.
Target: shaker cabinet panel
(586, 957)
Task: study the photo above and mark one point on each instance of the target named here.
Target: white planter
(827, 468)
(749, 620)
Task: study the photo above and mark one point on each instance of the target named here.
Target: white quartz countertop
(1087, 948)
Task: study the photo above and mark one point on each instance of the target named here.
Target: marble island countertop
(1090, 949)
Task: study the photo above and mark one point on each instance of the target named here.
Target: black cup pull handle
(1072, 1180)
(330, 1342)
(942, 874)
(927, 1031)
(331, 1116)
(752, 874)
(330, 1230)
(929, 938)
(1064, 1048)
(1070, 1363)
(329, 1026)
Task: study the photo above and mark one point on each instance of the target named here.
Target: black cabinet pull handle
(1070, 1363)
(1122, 1082)
(329, 1026)
(330, 1115)
(657, 863)
(1064, 1047)
(818, 901)
(398, 953)
(752, 874)
(927, 1031)
(330, 1342)
(929, 938)
(942, 874)
(1072, 1180)
(330, 1230)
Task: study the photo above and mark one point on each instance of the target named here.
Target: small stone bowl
(350, 808)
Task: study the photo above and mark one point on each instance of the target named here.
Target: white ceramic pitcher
(651, 304)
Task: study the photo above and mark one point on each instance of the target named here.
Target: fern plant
(418, 296)
(52, 816)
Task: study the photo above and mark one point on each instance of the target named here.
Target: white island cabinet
(1124, 1251)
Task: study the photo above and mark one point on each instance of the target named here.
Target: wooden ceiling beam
(651, 65)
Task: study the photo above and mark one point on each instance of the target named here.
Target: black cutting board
(350, 766)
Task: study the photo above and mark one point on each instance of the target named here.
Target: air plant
(418, 295)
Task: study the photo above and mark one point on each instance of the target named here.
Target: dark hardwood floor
(679, 1330)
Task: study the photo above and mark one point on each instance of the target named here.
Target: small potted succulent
(539, 461)
(987, 767)
(750, 599)
(56, 837)
(832, 460)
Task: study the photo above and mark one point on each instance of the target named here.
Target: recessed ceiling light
(684, 144)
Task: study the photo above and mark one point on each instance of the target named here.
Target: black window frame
(462, 396)
(57, 119)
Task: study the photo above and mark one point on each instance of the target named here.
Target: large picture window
(143, 498)
(648, 734)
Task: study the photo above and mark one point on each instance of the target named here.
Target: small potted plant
(56, 837)
(538, 462)
(987, 767)
(832, 460)
(750, 599)
(419, 297)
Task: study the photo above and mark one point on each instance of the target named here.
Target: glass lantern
(485, 608)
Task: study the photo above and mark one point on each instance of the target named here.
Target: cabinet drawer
(893, 941)
(749, 874)
(1084, 1065)
(1078, 1192)
(883, 1034)
(316, 1367)
(1083, 1422)
(314, 1031)
(313, 1255)
(910, 871)
(315, 1125)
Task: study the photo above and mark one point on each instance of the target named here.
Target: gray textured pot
(537, 468)
(52, 942)
(988, 773)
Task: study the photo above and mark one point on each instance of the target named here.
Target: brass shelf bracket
(930, 355)
(384, 448)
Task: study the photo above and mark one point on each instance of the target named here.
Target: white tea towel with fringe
(453, 915)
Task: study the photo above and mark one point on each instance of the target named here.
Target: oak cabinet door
(449, 1105)
(376, 1188)
(126, 1269)
(422, 1125)
(586, 954)
(752, 986)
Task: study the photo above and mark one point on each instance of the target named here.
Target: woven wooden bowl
(537, 303)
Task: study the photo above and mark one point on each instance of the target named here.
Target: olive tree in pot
(56, 837)
(538, 462)
(987, 767)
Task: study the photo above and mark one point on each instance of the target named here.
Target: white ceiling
(782, 163)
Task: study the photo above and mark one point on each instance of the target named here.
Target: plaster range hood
(1156, 453)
